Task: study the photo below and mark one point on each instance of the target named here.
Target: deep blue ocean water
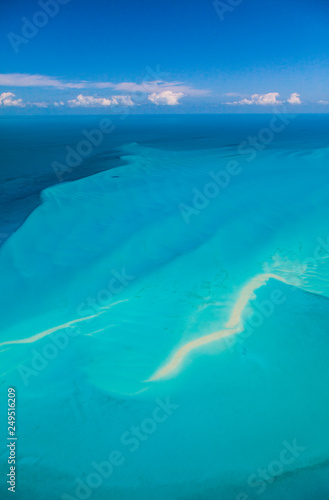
(181, 257)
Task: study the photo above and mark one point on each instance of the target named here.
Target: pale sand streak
(233, 325)
(40, 335)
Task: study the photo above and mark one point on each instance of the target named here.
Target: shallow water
(197, 269)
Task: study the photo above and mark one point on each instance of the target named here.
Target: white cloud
(123, 100)
(158, 91)
(7, 99)
(25, 80)
(267, 99)
(323, 102)
(86, 101)
(261, 99)
(40, 104)
(167, 97)
(272, 98)
(157, 86)
(90, 101)
(148, 86)
(294, 99)
(232, 94)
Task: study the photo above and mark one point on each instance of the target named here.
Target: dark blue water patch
(29, 146)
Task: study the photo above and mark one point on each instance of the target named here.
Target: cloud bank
(269, 99)
(25, 80)
(88, 101)
(147, 86)
(262, 99)
(7, 99)
(167, 97)
(294, 99)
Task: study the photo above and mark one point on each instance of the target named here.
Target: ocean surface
(164, 306)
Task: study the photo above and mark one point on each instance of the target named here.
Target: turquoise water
(186, 264)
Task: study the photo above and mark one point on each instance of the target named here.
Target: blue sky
(160, 56)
